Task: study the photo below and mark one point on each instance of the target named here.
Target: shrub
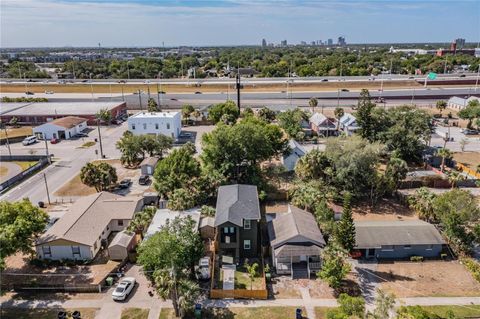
(473, 267)
(416, 258)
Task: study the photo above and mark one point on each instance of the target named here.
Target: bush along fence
(42, 162)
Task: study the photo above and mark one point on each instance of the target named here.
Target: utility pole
(128, 70)
(239, 86)
(158, 97)
(140, 98)
(6, 138)
(476, 81)
(91, 85)
(100, 138)
(46, 187)
(46, 149)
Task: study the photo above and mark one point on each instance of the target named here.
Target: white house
(459, 103)
(289, 160)
(82, 231)
(348, 124)
(166, 123)
(62, 128)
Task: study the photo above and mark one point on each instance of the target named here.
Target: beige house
(82, 231)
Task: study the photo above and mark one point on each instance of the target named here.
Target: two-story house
(236, 221)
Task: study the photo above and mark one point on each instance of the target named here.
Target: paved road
(12, 170)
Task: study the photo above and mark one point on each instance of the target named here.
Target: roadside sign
(432, 76)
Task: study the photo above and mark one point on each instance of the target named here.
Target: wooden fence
(239, 294)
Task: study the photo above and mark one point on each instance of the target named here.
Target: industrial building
(61, 128)
(43, 112)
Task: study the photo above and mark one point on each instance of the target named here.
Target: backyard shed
(121, 245)
(207, 228)
(148, 165)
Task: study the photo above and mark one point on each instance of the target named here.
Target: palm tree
(422, 203)
(445, 153)
(89, 175)
(454, 177)
(339, 112)
(181, 291)
(313, 103)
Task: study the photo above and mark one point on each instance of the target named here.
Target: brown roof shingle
(68, 121)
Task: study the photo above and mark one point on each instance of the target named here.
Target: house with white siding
(166, 123)
(61, 128)
(459, 103)
(348, 124)
(82, 231)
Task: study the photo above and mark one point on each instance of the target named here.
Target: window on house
(230, 233)
(429, 247)
(225, 230)
(95, 246)
(407, 246)
(247, 244)
(247, 224)
(232, 230)
(156, 126)
(133, 126)
(144, 126)
(168, 126)
(120, 222)
(387, 247)
(47, 252)
(75, 250)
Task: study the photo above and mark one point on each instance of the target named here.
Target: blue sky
(29, 23)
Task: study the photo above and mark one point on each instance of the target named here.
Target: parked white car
(203, 269)
(124, 288)
(29, 140)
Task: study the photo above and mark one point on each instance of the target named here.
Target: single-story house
(237, 218)
(348, 124)
(397, 239)
(82, 231)
(123, 243)
(207, 227)
(290, 159)
(296, 242)
(147, 166)
(164, 215)
(61, 128)
(323, 125)
(459, 103)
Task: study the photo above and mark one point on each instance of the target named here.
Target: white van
(29, 140)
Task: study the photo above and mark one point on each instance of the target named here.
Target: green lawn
(10, 313)
(321, 312)
(25, 165)
(135, 313)
(242, 281)
(240, 313)
(459, 311)
(88, 144)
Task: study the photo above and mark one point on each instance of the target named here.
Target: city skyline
(136, 23)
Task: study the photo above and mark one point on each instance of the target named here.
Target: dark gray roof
(298, 250)
(236, 203)
(374, 234)
(293, 224)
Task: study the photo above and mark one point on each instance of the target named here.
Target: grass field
(239, 313)
(134, 313)
(10, 313)
(75, 187)
(25, 165)
(176, 88)
(458, 311)
(16, 132)
(321, 312)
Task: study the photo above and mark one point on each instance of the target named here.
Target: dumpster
(109, 281)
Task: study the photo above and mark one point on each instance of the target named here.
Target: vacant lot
(16, 132)
(466, 311)
(134, 313)
(385, 209)
(75, 187)
(240, 313)
(469, 159)
(87, 313)
(430, 278)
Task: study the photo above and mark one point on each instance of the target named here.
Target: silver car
(123, 289)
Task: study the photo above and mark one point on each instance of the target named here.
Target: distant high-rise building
(313, 43)
(264, 43)
(460, 43)
(283, 43)
(303, 43)
(329, 42)
(341, 41)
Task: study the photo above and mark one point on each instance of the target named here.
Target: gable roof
(295, 148)
(89, 216)
(348, 119)
(67, 121)
(374, 234)
(163, 215)
(318, 119)
(296, 222)
(152, 161)
(122, 239)
(236, 203)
